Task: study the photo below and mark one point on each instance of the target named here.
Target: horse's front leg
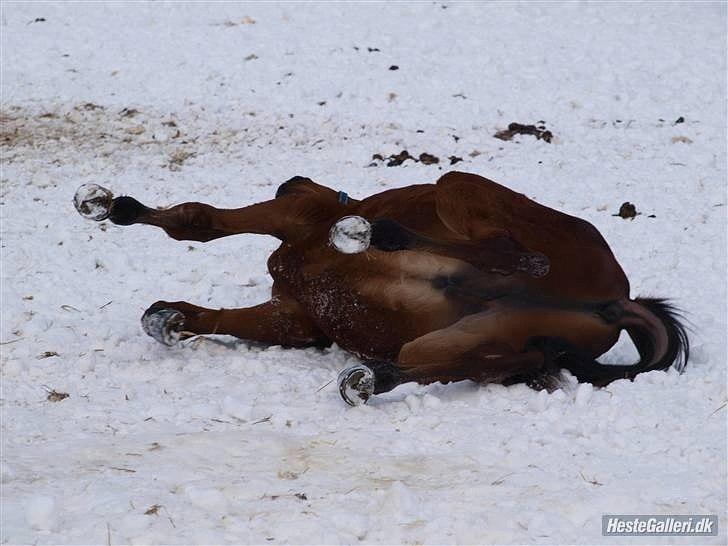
(280, 321)
(193, 221)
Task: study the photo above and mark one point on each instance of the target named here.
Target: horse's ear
(302, 186)
(293, 185)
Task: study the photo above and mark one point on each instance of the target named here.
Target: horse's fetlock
(125, 210)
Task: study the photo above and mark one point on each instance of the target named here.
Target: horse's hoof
(164, 325)
(356, 384)
(93, 201)
(351, 235)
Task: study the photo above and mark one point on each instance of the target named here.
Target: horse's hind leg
(502, 344)
(197, 221)
(474, 348)
(426, 362)
(279, 321)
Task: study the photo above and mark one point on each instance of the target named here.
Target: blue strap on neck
(343, 198)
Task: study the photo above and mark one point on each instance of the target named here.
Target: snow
(238, 443)
(41, 513)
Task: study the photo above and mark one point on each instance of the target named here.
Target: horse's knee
(413, 354)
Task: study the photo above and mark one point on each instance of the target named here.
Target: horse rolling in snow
(461, 279)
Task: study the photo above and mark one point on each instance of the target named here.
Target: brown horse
(461, 279)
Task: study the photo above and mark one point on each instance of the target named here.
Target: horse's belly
(374, 304)
(376, 318)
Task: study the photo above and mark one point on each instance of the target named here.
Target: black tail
(655, 327)
(640, 327)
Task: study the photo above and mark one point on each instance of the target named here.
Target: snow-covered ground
(225, 442)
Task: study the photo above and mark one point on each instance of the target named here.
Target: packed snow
(109, 437)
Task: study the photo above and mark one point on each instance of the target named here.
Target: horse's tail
(655, 327)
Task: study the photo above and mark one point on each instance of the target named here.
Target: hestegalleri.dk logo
(659, 525)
